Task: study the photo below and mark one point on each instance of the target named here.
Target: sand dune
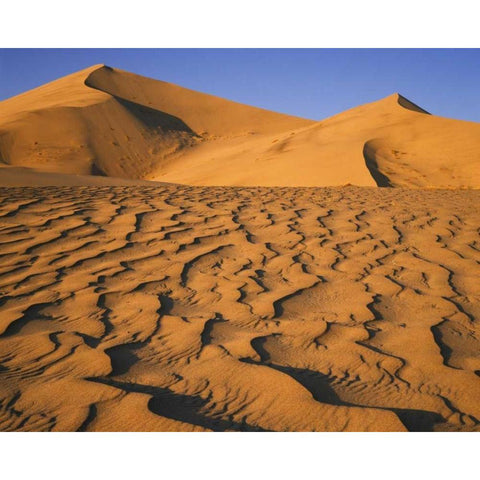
(253, 309)
(105, 121)
(110, 122)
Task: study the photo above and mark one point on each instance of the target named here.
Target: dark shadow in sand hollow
(183, 408)
(320, 387)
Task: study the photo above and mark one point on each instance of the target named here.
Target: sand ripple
(257, 309)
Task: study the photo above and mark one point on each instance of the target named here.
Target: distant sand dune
(105, 121)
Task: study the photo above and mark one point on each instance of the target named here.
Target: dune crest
(406, 103)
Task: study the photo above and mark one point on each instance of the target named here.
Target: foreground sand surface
(184, 308)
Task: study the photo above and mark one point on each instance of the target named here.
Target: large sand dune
(110, 122)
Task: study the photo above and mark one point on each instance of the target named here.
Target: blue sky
(312, 83)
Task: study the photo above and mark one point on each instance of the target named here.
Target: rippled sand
(288, 309)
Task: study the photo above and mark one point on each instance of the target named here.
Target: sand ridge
(247, 309)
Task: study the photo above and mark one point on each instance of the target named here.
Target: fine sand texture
(108, 122)
(183, 308)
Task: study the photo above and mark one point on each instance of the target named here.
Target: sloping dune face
(46, 128)
(206, 115)
(244, 309)
(110, 122)
(69, 127)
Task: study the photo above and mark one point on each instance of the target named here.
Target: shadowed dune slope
(105, 121)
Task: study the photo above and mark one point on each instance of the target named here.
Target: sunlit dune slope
(403, 145)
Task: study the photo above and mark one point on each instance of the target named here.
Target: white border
(239, 456)
(246, 23)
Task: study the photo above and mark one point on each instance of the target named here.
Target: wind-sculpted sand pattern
(253, 309)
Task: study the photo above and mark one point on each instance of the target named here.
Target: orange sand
(259, 305)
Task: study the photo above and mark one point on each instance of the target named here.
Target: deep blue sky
(312, 83)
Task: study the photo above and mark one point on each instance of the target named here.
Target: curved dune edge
(177, 308)
(108, 122)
